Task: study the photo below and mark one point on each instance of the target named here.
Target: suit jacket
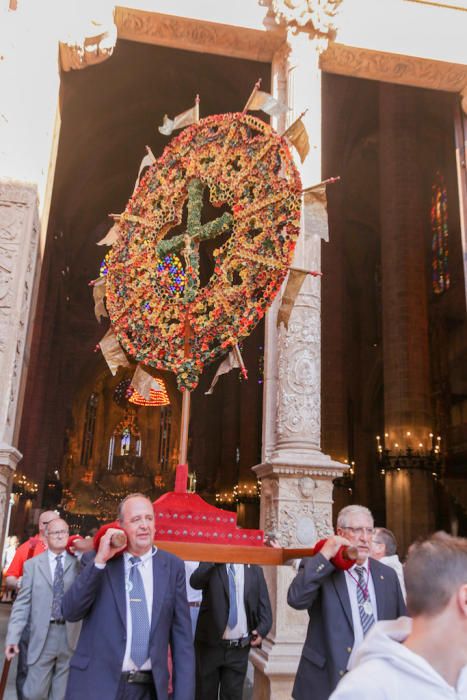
(98, 598)
(214, 609)
(322, 589)
(34, 602)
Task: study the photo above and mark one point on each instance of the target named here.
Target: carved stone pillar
(19, 233)
(296, 499)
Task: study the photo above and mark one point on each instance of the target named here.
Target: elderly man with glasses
(46, 577)
(342, 605)
(31, 548)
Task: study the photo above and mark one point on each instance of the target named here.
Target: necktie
(57, 590)
(363, 599)
(233, 612)
(139, 615)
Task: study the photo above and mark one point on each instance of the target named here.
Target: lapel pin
(382, 576)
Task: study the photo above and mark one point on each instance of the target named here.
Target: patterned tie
(363, 596)
(233, 612)
(57, 590)
(139, 615)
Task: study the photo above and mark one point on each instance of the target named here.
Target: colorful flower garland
(159, 311)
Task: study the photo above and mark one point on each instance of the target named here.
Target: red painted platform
(186, 517)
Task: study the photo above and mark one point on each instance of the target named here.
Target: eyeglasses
(57, 533)
(360, 530)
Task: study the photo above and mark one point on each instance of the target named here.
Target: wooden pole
(4, 678)
(253, 93)
(183, 450)
(240, 554)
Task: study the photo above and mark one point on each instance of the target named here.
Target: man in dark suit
(342, 605)
(235, 614)
(132, 606)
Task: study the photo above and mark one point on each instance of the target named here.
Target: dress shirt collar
(365, 566)
(53, 556)
(145, 558)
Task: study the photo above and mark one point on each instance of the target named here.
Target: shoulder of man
(170, 559)
(371, 680)
(32, 562)
(24, 548)
(382, 569)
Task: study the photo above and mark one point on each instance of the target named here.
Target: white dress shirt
(241, 628)
(352, 587)
(193, 595)
(146, 571)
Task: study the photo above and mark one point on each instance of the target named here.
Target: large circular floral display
(163, 314)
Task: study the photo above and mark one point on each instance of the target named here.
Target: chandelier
(125, 393)
(409, 453)
(157, 397)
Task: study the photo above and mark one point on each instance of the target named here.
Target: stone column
(19, 234)
(296, 499)
(410, 504)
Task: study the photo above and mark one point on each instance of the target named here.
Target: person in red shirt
(31, 548)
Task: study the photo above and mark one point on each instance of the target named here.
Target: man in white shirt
(132, 606)
(384, 549)
(46, 577)
(235, 614)
(425, 657)
(193, 596)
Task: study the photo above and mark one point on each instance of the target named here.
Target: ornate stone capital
(9, 458)
(314, 16)
(91, 41)
(296, 501)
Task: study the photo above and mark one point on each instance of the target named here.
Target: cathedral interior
(393, 301)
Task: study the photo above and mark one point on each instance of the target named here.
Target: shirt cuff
(99, 566)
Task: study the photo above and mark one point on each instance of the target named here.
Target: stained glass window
(89, 428)
(439, 236)
(164, 437)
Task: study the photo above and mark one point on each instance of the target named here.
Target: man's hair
(343, 515)
(387, 537)
(434, 571)
(127, 498)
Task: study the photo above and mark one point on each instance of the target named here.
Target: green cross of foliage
(187, 243)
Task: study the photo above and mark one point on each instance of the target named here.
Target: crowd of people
(128, 621)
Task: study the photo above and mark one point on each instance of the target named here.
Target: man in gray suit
(52, 641)
(342, 605)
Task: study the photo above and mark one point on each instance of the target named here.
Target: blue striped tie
(58, 590)
(233, 612)
(139, 616)
(367, 619)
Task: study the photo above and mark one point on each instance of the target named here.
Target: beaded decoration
(160, 311)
